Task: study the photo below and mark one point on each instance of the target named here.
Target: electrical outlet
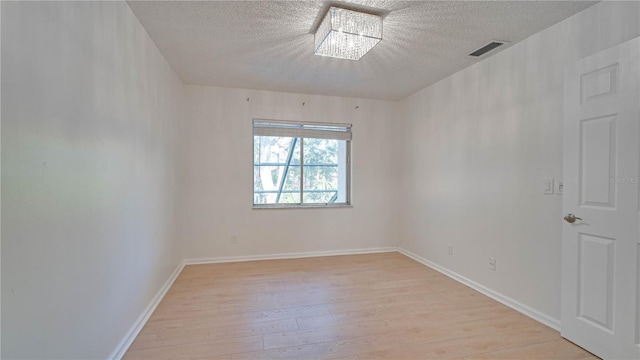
(234, 239)
(492, 264)
(450, 250)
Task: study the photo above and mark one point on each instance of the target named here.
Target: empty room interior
(320, 179)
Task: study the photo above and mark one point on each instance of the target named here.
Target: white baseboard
(518, 306)
(126, 341)
(296, 255)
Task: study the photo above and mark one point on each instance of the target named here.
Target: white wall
(216, 176)
(88, 143)
(0, 191)
(478, 145)
(92, 124)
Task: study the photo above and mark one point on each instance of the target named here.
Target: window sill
(306, 206)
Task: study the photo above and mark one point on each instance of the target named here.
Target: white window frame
(302, 130)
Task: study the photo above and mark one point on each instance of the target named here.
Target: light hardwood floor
(375, 306)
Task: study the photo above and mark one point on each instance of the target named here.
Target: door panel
(598, 83)
(600, 253)
(595, 284)
(598, 148)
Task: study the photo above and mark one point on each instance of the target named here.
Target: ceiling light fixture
(347, 34)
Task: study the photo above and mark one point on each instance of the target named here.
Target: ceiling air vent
(489, 47)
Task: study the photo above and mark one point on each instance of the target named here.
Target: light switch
(559, 187)
(547, 187)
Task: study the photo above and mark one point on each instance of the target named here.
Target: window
(298, 164)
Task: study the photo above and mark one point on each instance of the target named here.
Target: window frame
(301, 204)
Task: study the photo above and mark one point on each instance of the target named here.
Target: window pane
(322, 170)
(276, 170)
(278, 174)
(291, 189)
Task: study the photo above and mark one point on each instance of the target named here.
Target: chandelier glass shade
(347, 34)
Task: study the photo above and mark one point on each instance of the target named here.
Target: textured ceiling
(269, 44)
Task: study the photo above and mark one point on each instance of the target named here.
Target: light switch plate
(559, 187)
(547, 186)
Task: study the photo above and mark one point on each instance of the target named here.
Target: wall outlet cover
(492, 264)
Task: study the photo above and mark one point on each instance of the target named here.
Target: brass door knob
(570, 218)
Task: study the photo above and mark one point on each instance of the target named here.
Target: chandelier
(347, 34)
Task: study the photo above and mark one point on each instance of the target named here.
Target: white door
(600, 252)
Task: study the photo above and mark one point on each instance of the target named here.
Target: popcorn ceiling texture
(268, 45)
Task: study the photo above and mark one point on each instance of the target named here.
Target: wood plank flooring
(375, 306)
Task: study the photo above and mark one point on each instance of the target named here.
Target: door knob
(570, 218)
